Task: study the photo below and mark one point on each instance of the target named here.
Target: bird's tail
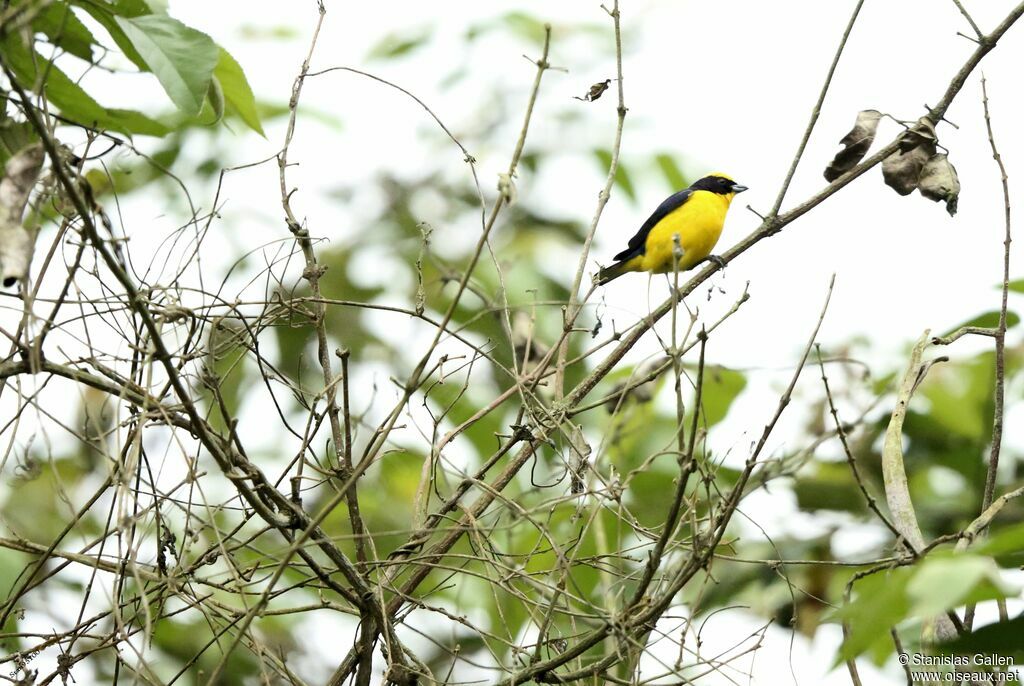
(611, 272)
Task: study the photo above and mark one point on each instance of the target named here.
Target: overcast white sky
(726, 86)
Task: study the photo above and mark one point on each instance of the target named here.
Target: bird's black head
(718, 183)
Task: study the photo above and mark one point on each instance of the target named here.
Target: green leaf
(520, 24)
(1008, 540)
(1016, 286)
(60, 90)
(829, 486)
(671, 171)
(959, 405)
(1001, 638)
(60, 25)
(988, 320)
(939, 583)
(256, 32)
(72, 101)
(12, 567)
(881, 603)
(130, 121)
(131, 8)
(14, 136)
(227, 365)
(106, 14)
(395, 45)
(129, 177)
(238, 95)
(525, 25)
(275, 110)
(943, 582)
(623, 178)
(720, 388)
(181, 58)
(215, 95)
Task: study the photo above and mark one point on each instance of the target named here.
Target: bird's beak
(738, 188)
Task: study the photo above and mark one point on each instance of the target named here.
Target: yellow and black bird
(695, 214)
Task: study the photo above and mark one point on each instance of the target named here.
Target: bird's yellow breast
(698, 223)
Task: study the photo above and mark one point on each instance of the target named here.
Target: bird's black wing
(637, 242)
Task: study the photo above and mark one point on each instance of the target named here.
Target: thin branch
(978, 526)
(849, 453)
(1000, 337)
(1000, 334)
(814, 114)
(970, 20)
(965, 331)
(638, 618)
(574, 307)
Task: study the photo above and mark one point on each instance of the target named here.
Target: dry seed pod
(857, 143)
(20, 174)
(939, 182)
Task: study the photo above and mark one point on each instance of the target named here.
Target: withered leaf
(921, 133)
(902, 169)
(857, 143)
(596, 91)
(939, 181)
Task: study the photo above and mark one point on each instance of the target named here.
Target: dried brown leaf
(858, 141)
(939, 182)
(902, 169)
(920, 134)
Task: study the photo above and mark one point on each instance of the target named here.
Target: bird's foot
(717, 260)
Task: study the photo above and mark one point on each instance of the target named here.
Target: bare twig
(814, 114)
(574, 307)
(1000, 333)
(1000, 342)
(970, 20)
(849, 454)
